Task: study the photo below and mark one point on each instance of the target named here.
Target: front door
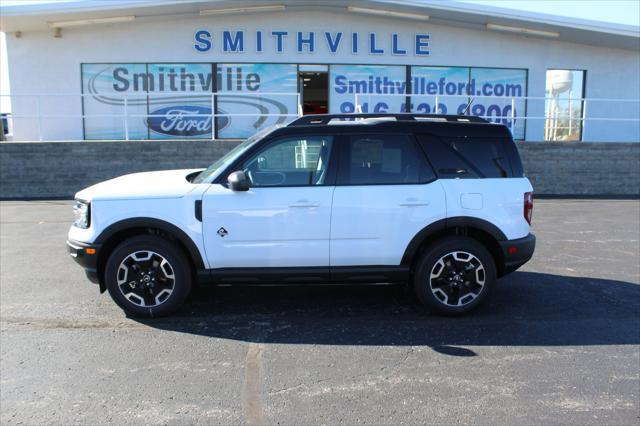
(283, 220)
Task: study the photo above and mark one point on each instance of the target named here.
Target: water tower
(558, 82)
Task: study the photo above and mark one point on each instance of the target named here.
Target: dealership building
(148, 70)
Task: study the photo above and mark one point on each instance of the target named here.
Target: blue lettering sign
(395, 49)
(234, 41)
(235, 44)
(202, 41)
(372, 45)
(308, 41)
(258, 41)
(422, 44)
(333, 43)
(279, 35)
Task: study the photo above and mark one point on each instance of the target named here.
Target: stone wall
(59, 169)
(582, 169)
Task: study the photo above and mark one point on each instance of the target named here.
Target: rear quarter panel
(499, 201)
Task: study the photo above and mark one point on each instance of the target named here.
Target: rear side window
(487, 155)
(467, 157)
(383, 160)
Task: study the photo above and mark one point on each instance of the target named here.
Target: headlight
(81, 211)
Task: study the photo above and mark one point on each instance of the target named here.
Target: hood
(163, 184)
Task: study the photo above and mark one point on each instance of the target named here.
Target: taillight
(528, 206)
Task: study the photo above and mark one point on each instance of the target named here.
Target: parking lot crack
(252, 387)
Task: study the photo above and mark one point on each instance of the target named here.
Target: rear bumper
(516, 253)
(84, 256)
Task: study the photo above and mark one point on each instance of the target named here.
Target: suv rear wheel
(148, 276)
(454, 275)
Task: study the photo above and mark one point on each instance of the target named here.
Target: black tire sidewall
(169, 251)
(434, 252)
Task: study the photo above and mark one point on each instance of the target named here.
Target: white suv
(438, 201)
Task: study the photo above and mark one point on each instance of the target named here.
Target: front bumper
(85, 255)
(516, 253)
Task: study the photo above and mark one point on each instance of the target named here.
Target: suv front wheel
(454, 275)
(148, 276)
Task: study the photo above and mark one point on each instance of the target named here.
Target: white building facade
(216, 70)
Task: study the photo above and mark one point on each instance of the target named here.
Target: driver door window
(297, 161)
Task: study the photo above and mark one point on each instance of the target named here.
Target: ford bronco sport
(438, 201)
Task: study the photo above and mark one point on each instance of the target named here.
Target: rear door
(385, 194)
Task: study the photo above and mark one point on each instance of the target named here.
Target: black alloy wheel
(148, 276)
(454, 275)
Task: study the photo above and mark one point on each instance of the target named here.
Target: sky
(617, 11)
(614, 11)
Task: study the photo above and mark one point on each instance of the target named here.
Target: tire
(435, 272)
(148, 276)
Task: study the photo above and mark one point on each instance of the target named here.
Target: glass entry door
(314, 88)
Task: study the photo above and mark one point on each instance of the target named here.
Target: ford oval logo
(184, 120)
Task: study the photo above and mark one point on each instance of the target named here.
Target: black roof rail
(326, 118)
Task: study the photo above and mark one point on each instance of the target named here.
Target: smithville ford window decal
(178, 98)
(380, 88)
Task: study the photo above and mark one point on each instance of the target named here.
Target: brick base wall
(59, 169)
(582, 168)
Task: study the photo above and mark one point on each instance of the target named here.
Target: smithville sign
(308, 42)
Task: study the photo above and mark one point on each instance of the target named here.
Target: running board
(305, 275)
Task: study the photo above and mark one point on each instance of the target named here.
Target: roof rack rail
(326, 118)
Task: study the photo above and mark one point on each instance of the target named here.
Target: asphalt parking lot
(558, 343)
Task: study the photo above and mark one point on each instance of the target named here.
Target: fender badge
(222, 232)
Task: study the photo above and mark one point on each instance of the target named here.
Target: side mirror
(238, 181)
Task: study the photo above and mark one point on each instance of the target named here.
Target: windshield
(230, 156)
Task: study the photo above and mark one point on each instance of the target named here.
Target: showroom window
(564, 105)
(176, 100)
(104, 88)
(378, 88)
(254, 96)
(496, 94)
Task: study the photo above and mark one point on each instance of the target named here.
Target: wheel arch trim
(148, 222)
(448, 223)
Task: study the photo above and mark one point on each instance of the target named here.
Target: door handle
(414, 203)
(304, 203)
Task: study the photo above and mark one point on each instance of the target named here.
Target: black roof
(437, 124)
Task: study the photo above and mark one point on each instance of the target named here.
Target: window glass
(384, 159)
(449, 85)
(444, 160)
(563, 105)
(179, 101)
(500, 97)
(486, 155)
(254, 96)
(232, 155)
(297, 161)
(105, 87)
(495, 94)
(372, 88)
